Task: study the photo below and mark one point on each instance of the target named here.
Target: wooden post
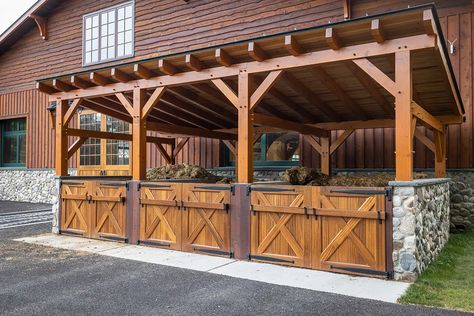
(138, 136)
(245, 132)
(440, 154)
(325, 143)
(403, 117)
(61, 138)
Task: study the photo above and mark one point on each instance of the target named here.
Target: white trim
(99, 13)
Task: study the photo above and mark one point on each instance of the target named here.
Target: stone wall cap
(419, 182)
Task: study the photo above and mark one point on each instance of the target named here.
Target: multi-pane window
(90, 150)
(13, 143)
(118, 151)
(108, 34)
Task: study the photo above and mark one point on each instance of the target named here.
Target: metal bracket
(215, 252)
(123, 199)
(153, 243)
(306, 212)
(315, 214)
(270, 259)
(362, 271)
(379, 217)
(115, 238)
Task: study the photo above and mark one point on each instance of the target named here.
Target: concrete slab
(377, 289)
(361, 287)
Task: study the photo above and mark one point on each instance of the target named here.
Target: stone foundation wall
(420, 224)
(27, 185)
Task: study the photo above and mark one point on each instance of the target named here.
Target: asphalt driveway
(38, 280)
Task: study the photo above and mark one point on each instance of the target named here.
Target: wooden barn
(100, 91)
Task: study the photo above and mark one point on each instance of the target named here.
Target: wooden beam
(97, 134)
(292, 45)
(333, 41)
(188, 131)
(245, 132)
(80, 83)
(227, 91)
(440, 153)
(99, 79)
(403, 118)
(193, 63)
(223, 58)
(377, 31)
(428, 22)
(325, 154)
(152, 101)
(62, 86)
(126, 103)
(75, 146)
(310, 97)
(166, 67)
(334, 87)
(376, 74)
(425, 140)
(379, 123)
(365, 80)
(313, 143)
(256, 52)
(163, 152)
(138, 136)
(426, 117)
(231, 146)
(304, 129)
(41, 87)
(143, 72)
(61, 153)
(264, 87)
(285, 62)
(340, 140)
(42, 24)
(119, 75)
(180, 146)
(71, 111)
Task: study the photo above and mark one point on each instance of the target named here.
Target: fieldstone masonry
(27, 185)
(420, 225)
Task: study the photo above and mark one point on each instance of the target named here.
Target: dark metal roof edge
(445, 52)
(323, 26)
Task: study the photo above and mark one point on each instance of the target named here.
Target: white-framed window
(108, 34)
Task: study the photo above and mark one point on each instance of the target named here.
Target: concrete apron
(362, 287)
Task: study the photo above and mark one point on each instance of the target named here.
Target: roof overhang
(322, 80)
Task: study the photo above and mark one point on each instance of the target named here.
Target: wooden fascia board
(286, 62)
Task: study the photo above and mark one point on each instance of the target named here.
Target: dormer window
(108, 34)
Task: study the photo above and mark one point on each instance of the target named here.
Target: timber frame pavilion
(389, 70)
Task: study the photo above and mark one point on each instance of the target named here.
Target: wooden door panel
(108, 210)
(352, 231)
(206, 218)
(160, 216)
(75, 210)
(281, 224)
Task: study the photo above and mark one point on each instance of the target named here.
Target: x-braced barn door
(206, 218)
(281, 224)
(108, 210)
(351, 230)
(74, 208)
(160, 215)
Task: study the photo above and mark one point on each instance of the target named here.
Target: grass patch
(449, 281)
